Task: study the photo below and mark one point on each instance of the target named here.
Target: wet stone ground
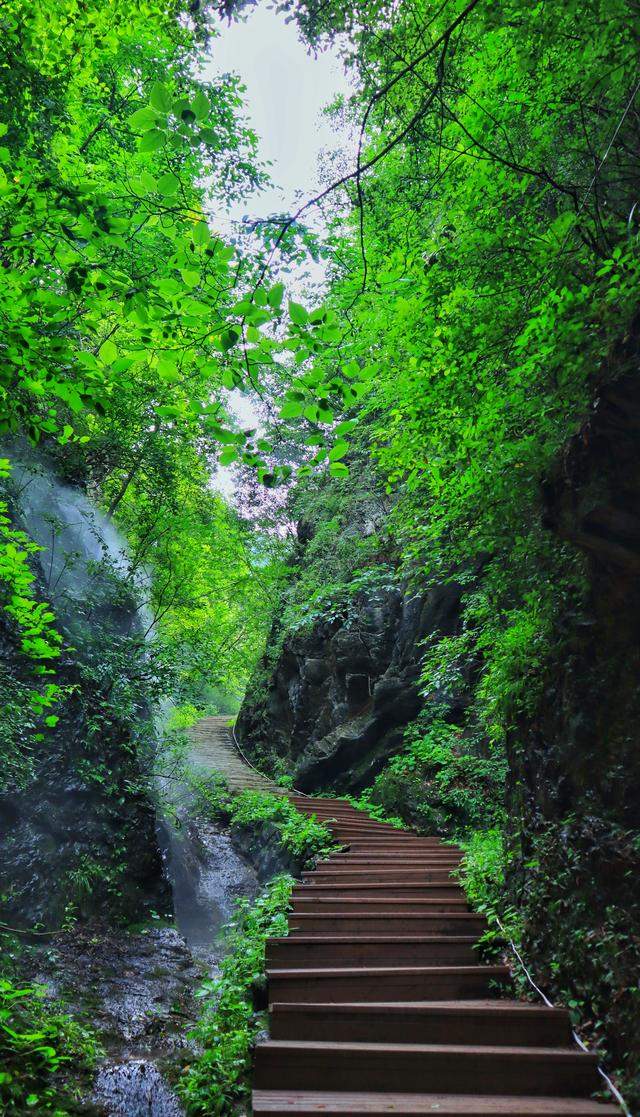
(138, 987)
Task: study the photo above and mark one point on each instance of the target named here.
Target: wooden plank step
(308, 1103)
(298, 951)
(374, 904)
(411, 923)
(308, 1065)
(400, 875)
(372, 825)
(385, 983)
(440, 889)
(497, 1022)
(377, 844)
(390, 858)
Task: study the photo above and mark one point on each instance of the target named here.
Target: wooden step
(307, 1065)
(372, 826)
(390, 858)
(497, 1022)
(437, 890)
(298, 951)
(310, 800)
(308, 1103)
(378, 985)
(456, 923)
(400, 875)
(385, 983)
(374, 904)
(376, 844)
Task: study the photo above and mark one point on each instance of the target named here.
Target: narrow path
(379, 1003)
(213, 750)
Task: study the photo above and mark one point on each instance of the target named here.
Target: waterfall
(85, 568)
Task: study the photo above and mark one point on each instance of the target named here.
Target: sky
(287, 88)
(286, 91)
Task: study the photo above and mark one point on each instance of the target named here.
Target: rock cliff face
(335, 706)
(77, 828)
(575, 764)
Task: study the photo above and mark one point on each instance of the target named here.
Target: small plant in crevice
(442, 782)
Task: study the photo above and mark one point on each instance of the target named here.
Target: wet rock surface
(136, 1089)
(136, 987)
(208, 875)
(336, 704)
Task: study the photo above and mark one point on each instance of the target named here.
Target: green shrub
(298, 833)
(219, 1077)
(440, 783)
(38, 1044)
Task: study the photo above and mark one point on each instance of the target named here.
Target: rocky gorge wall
(334, 707)
(77, 827)
(574, 765)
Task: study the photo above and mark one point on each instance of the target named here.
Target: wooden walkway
(379, 1003)
(213, 750)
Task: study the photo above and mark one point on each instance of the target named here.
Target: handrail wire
(612, 1087)
(257, 770)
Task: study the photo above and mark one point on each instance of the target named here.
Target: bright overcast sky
(286, 92)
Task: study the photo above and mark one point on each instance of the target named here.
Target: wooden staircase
(379, 1003)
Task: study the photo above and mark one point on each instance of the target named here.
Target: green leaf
(169, 411)
(291, 410)
(190, 278)
(169, 287)
(345, 427)
(201, 234)
(200, 106)
(107, 352)
(223, 434)
(143, 119)
(298, 314)
(168, 183)
(338, 451)
(167, 370)
(338, 469)
(160, 98)
(152, 140)
(275, 296)
(229, 337)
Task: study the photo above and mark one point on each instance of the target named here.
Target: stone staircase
(380, 1004)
